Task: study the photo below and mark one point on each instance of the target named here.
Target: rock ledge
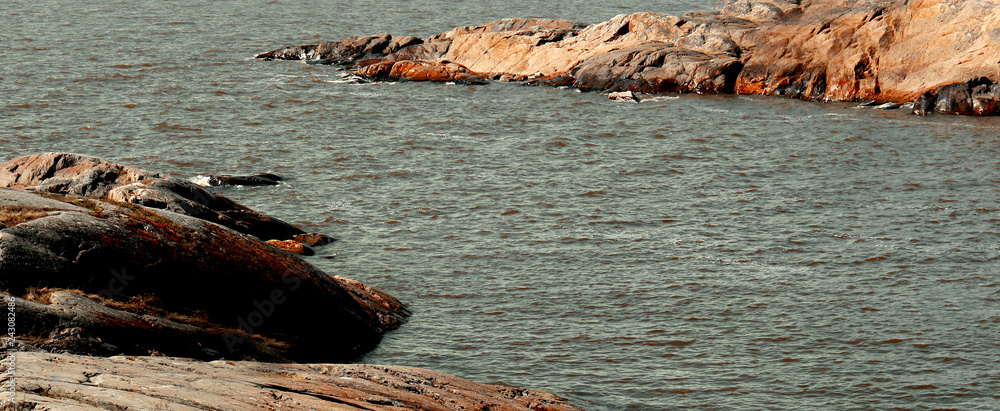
(62, 381)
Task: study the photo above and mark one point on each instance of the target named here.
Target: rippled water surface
(727, 252)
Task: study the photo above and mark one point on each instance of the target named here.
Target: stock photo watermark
(10, 362)
(116, 285)
(262, 310)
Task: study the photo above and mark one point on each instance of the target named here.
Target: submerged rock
(831, 50)
(263, 179)
(60, 381)
(177, 284)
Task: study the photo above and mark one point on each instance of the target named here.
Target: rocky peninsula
(938, 55)
(123, 278)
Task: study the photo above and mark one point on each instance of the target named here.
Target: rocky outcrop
(830, 50)
(85, 176)
(873, 50)
(144, 279)
(345, 51)
(60, 381)
(107, 295)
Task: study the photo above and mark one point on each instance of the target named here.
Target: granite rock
(172, 266)
(829, 50)
(62, 381)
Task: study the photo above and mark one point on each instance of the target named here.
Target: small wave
(661, 98)
(344, 79)
(715, 110)
(883, 106)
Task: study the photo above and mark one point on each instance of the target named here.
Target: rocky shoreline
(115, 271)
(938, 55)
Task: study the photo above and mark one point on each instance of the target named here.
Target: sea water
(720, 252)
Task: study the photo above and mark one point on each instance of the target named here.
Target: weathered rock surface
(85, 176)
(831, 50)
(291, 246)
(68, 322)
(60, 381)
(873, 50)
(168, 277)
(439, 70)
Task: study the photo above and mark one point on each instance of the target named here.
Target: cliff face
(832, 50)
(873, 50)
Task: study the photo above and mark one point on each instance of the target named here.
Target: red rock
(314, 239)
(438, 70)
(291, 246)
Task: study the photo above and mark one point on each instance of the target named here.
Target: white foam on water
(661, 98)
(201, 180)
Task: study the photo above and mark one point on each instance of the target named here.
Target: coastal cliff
(828, 50)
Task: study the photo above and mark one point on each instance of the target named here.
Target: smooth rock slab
(62, 381)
